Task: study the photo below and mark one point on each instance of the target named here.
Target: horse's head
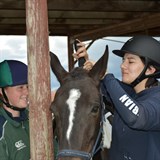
(77, 107)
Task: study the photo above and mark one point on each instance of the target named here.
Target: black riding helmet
(146, 47)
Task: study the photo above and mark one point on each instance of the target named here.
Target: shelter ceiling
(87, 19)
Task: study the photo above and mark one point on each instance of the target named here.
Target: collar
(16, 121)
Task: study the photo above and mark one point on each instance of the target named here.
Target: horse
(78, 110)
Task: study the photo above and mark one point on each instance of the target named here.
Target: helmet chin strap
(142, 75)
(8, 104)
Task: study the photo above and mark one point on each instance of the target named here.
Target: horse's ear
(57, 68)
(100, 67)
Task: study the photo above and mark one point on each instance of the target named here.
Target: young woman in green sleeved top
(14, 124)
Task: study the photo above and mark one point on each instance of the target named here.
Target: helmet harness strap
(8, 104)
(142, 75)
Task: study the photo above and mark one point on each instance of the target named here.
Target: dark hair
(1, 97)
(151, 80)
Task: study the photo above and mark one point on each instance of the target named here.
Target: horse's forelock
(78, 73)
(78, 78)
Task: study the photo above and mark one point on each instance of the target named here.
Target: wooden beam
(122, 29)
(41, 132)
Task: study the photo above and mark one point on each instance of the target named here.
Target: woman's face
(131, 67)
(18, 95)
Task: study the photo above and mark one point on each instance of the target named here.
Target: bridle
(96, 147)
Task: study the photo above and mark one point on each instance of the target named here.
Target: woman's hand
(81, 52)
(88, 65)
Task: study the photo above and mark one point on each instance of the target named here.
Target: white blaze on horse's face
(74, 95)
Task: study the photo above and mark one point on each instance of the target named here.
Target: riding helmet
(143, 46)
(13, 73)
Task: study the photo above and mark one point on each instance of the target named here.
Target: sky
(15, 47)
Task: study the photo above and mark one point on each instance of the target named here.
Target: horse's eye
(95, 109)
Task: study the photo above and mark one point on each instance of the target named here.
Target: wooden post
(41, 136)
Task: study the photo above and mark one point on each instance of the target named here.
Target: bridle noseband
(74, 153)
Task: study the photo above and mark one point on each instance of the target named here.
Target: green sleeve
(3, 150)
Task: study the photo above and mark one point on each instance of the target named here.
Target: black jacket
(136, 123)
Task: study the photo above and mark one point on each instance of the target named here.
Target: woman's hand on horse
(88, 65)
